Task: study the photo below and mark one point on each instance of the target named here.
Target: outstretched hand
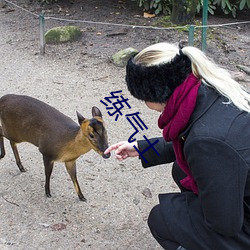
(123, 150)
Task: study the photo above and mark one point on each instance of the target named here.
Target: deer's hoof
(82, 198)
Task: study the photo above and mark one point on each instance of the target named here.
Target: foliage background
(164, 6)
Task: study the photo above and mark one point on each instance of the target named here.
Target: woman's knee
(153, 218)
(159, 229)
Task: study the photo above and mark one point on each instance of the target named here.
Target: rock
(147, 193)
(63, 34)
(2, 3)
(136, 201)
(239, 76)
(121, 58)
(244, 68)
(45, 225)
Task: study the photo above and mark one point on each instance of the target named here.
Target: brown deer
(58, 137)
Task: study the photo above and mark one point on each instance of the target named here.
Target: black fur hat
(156, 83)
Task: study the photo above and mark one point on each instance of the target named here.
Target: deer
(58, 138)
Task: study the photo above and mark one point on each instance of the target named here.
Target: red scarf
(174, 119)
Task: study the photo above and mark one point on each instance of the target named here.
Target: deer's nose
(106, 156)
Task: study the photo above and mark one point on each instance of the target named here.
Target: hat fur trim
(156, 83)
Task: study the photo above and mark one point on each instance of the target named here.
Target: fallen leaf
(147, 15)
(58, 227)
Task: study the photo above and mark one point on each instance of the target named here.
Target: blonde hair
(202, 67)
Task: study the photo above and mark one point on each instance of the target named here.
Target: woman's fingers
(120, 148)
(113, 147)
(123, 150)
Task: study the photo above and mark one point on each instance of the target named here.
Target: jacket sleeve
(220, 173)
(165, 150)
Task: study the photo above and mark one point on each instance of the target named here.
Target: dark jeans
(156, 222)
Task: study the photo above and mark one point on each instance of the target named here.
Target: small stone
(239, 76)
(44, 225)
(147, 193)
(136, 201)
(121, 58)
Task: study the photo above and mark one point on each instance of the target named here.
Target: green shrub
(211, 7)
(232, 6)
(156, 6)
(227, 6)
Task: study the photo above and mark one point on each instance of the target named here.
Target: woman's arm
(165, 149)
(124, 149)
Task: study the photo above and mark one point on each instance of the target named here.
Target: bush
(232, 6)
(165, 6)
(156, 6)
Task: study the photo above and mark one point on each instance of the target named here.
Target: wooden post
(42, 31)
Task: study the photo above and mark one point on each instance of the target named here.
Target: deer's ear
(80, 118)
(96, 111)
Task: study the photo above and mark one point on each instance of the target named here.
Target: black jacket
(216, 145)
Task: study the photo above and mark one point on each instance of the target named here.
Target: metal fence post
(42, 31)
(204, 24)
(191, 35)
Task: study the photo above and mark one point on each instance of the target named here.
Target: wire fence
(191, 28)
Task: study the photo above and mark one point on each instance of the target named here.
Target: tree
(183, 11)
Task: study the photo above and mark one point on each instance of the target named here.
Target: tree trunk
(183, 11)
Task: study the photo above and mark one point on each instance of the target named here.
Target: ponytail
(201, 66)
(218, 78)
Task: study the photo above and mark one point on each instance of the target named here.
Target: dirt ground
(76, 76)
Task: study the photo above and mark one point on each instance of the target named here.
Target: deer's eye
(91, 136)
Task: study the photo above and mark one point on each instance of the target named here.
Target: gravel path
(120, 195)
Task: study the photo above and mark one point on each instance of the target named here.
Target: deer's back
(24, 118)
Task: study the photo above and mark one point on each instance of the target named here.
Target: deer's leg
(71, 168)
(18, 161)
(48, 165)
(1, 144)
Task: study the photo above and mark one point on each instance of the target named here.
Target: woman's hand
(123, 150)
